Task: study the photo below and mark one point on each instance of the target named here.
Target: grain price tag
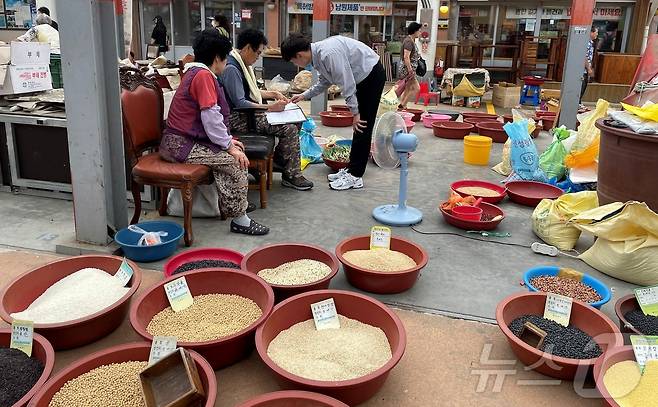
(161, 347)
(125, 273)
(647, 297)
(380, 237)
(558, 308)
(325, 314)
(22, 333)
(645, 348)
(178, 294)
(570, 273)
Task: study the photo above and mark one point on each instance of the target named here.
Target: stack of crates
(56, 71)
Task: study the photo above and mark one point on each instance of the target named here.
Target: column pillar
(321, 21)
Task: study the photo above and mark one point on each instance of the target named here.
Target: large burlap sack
(550, 218)
(627, 244)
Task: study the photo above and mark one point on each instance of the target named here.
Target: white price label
(125, 273)
(178, 294)
(160, 347)
(380, 237)
(22, 333)
(647, 297)
(558, 308)
(645, 348)
(325, 314)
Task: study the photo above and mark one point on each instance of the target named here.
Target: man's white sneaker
(347, 182)
(340, 174)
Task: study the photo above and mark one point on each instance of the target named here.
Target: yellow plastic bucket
(477, 150)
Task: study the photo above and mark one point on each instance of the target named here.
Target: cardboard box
(24, 78)
(28, 53)
(458, 101)
(547, 94)
(473, 101)
(506, 95)
(553, 105)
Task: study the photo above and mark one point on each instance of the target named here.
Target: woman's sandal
(254, 229)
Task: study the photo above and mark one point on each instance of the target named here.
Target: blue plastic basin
(597, 285)
(128, 239)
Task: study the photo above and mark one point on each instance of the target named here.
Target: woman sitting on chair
(197, 131)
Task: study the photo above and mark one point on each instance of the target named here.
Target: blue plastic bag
(523, 153)
(310, 149)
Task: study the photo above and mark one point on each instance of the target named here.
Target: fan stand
(400, 214)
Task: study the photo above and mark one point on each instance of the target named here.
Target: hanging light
(271, 5)
(444, 9)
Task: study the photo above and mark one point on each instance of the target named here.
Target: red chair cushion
(153, 167)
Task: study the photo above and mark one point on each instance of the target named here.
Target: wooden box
(614, 68)
(172, 382)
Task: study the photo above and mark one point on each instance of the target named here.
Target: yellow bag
(550, 218)
(467, 89)
(649, 111)
(627, 244)
(388, 103)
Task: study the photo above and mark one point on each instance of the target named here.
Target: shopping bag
(309, 148)
(400, 86)
(523, 153)
(205, 202)
(552, 160)
(388, 102)
(627, 241)
(550, 218)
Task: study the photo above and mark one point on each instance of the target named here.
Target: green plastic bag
(552, 160)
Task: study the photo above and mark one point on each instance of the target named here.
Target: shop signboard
(520, 13)
(564, 13)
(608, 13)
(369, 8)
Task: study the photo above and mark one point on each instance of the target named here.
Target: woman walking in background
(159, 35)
(410, 57)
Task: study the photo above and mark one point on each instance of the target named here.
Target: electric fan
(391, 147)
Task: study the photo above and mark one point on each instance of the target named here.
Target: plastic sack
(550, 218)
(311, 151)
(467, 89)
(569, 186)
(302, 81)
(519, 115)
(278, 84)
(583, 158)
(205, 202)
(636, 123)
(388, 103)
(588, 133)
(505, 166)
(552, 160)
(627, 241)
(523, 152)
(148, 238)
(648, 111)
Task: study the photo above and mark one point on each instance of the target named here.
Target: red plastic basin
(274, 255)
(492, 129)
(548, 122)
(624, 305)
(377, 281)
(352, 305)
(508, 118)
(24, 289)
(135, 351)
(416, 113)
(475, 120)
(480, 115)
(340, 108)
(467, 212)
(488, 210)
(43, 351)
(335, 165)
(336, 119)
(584, 317)
(219, 352)
(530, 193)
(605, 362)
(204, 253)
(483, 184)
(293, 398)
(452, 130)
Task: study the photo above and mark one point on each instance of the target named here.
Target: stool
(425, 94)
(531, 91)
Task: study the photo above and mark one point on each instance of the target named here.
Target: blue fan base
(393, 215)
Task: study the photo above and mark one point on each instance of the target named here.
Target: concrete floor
(464, 278)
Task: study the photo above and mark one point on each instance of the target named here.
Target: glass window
(300, 23)
(342, 25)
(151, 9)
(219, 7)
(475, 26)
(187, 18)
(370, 30)
(512, 27)
(252, 15)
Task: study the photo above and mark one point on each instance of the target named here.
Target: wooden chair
(142, 111)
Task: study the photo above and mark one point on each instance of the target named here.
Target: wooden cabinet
(613, 68)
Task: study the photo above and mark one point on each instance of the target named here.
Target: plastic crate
(56, 71)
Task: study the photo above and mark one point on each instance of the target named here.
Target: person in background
(159, 35)
(354, 67)
(588, 75)
(46, 11)
(246, 100)
(410, 57)
(364, 35)
(220, 22)
(43, 32)
(197, 131)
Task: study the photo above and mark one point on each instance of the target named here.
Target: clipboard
(291, 114)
